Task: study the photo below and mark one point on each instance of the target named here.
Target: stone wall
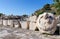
(9, 22)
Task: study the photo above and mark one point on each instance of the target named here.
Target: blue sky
(20, 7)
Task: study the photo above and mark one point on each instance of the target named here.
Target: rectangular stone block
(16, 24)
(32, 18)
(1, 21)
(24, 24)
(32, 26)
(5, 22)
(10, 22)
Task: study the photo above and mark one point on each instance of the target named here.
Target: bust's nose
(49, 21)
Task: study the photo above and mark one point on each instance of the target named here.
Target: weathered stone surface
(0, 21)
(16, 24)
(10, 22)
(32, 18)
(5, 22)
(46, 23)
(32, 26)
(16, 33)
(24, 24)
(58, 19)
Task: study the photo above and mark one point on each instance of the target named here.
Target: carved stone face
(46, 22)
(47, 17)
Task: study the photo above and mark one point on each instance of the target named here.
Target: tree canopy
(1, 14)
(55, 8)
(46, 8)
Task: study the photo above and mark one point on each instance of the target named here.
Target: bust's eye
(41, 16)
(51, 17)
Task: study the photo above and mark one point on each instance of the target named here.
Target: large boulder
(46, 23)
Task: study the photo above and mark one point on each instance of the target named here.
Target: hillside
(53, 8)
